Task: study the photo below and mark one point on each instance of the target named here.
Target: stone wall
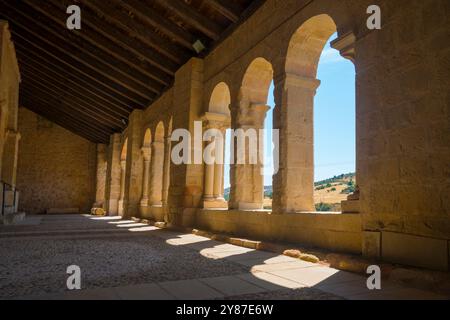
(56, 167)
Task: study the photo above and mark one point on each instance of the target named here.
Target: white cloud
(330, 55)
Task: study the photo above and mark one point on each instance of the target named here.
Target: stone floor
(122, 259)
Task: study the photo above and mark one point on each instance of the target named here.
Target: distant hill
(342, 184)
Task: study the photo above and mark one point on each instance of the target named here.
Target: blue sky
(334, 119)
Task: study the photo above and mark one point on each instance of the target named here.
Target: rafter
(116, 107)
(151, 17)
(89, 35)
(193, 17)
(137, 30)
(227, 8)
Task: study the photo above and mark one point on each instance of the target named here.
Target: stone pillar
(123, 167)
(294, 183)
(248, 181)
(134, 167)
(208, 193)
(167, 162)
(213, 177)
(156, 175)
(146, 153)
(113, 176)
(218, 171)
(10, 157)
(166, 179)
(101, 176)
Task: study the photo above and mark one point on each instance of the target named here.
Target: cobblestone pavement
(126, 260)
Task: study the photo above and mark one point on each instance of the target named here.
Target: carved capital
(345, 44)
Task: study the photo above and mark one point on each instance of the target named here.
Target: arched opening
(334, 130)
(247, 185)
(313, 115)
(217, 120)
(157, 173)
(123, 165)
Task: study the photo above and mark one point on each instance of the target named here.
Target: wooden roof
(124, 57)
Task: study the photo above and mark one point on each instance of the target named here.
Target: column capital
(13, 134)
(345, 44)
(216, 120)
(146, 153)
(298, 81)
(158, 144)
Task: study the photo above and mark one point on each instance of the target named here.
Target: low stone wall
(338, 232)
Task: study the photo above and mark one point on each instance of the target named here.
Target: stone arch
(306, 45)
(147, 140)
(256, 82)
(247, 180)
(295, 91)
(218, 119)
(220, 99)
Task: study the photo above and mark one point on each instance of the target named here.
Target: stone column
(156, 174)
(101, 176)
(10, 157)
(247, 183)
(134, 167)
(113, 176)
(146, 153)
(212, 189)
(294, 183)
(123, 166)
(218, 171)
(167, 162)
(166, 179)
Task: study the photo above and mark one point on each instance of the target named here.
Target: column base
(250, 206)
(218, 203)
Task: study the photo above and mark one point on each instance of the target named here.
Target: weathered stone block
(415, 250)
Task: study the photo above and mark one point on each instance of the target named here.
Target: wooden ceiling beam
(45, 9)
(226, 8)
(87, 63)
(79, 105)
(134, 28)
(151, 17)
(107, 107)
(87, 72)
(192, 17)
(121, 38)
(37, 93)
(22, 15)
(122, 107)
(52, 104)
(64, 121)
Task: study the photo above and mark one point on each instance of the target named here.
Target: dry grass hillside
(328, 193)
